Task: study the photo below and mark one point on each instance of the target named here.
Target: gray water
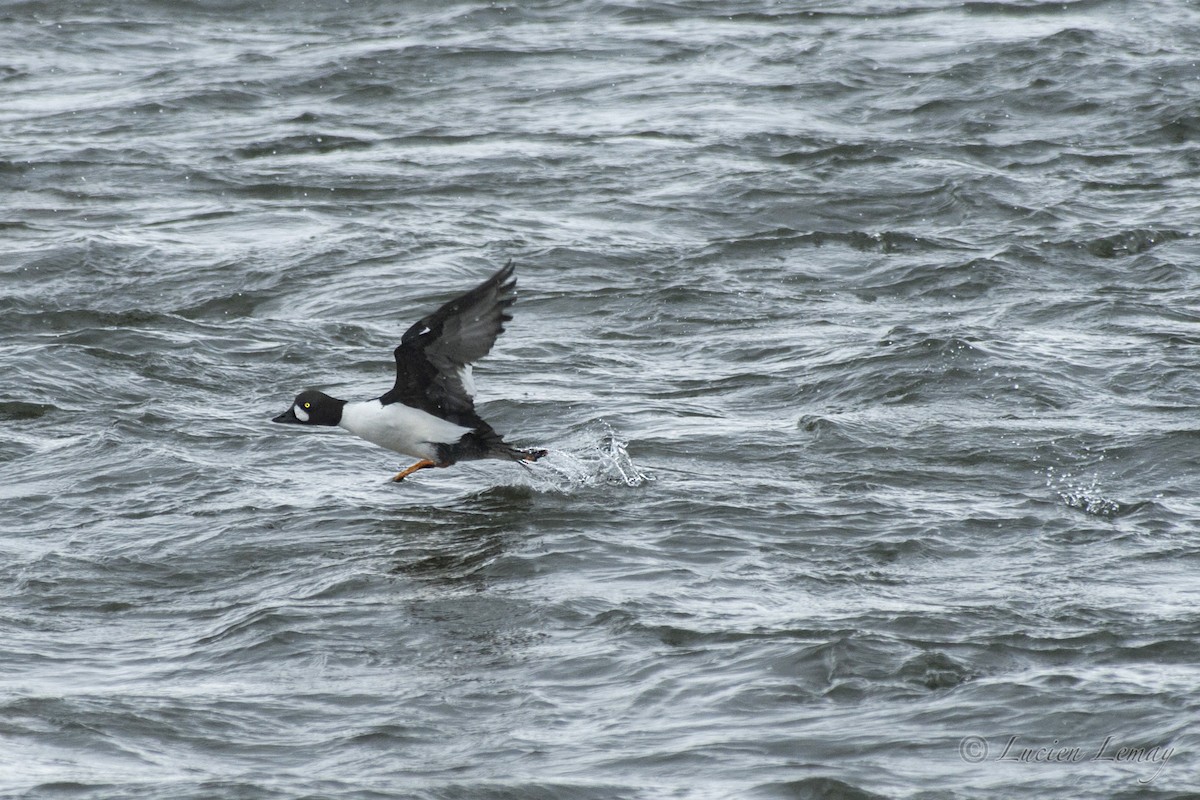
(863, 336)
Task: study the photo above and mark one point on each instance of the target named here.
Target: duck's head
(313, 408)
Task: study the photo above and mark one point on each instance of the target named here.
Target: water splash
(616, 465)
(1089, 497)
(600, 459)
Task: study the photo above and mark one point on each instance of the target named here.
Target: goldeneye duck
(429, 413)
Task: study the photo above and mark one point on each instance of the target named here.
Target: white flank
(300, 413)
(400, 428)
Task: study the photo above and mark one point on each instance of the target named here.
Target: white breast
(400, 428)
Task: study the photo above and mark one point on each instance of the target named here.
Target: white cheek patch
(300, 413)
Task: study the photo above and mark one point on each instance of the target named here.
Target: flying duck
(430, 413)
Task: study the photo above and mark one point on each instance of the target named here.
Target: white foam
(600, 459)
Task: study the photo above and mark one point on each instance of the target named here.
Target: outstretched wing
(433, 361)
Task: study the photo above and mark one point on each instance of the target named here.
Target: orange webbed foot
(422, 464)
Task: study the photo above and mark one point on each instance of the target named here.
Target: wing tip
(503, 276)
(506, 284)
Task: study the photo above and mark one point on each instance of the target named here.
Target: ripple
(847, 282)
(18, 410)
(297, 145)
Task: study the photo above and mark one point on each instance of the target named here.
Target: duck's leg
(422, 464)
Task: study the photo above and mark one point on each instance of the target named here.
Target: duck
(429, 413)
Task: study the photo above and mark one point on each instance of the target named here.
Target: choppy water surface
(864, 337)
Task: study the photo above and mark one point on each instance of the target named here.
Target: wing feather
(434, 356)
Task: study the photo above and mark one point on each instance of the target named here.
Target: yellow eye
(308, 405)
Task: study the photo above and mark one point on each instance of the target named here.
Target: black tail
(496, 447)
(486, 443)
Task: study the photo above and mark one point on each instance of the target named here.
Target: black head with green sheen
(313, 408)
